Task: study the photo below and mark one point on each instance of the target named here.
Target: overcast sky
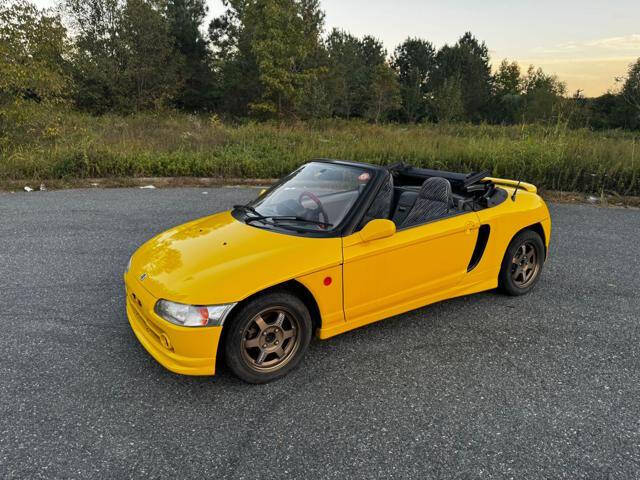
(586, 43)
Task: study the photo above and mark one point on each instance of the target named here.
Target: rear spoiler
(512, 183)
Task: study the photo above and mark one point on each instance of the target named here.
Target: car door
(406, 270)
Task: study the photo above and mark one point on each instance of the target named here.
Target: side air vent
(481, 244)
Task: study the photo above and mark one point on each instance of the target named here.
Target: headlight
(126, 270)
(191, 315)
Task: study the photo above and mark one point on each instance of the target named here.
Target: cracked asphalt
(485, 386)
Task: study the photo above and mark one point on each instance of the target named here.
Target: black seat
(433, 202)
(405, 201)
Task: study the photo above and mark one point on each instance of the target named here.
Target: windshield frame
(350, 220)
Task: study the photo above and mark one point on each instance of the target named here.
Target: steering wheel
(320, 210)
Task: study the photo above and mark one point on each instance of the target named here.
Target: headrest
(437, 189)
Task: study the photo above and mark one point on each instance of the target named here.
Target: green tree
(123, 58)
(506, 80)
(151, 65)
(32, 47)
(315, 95)
(543, 95)
(354, 65)
(34, 84)
(447, 103)
(266, 50)
(630, 93)
(508, 100)
(234, 61)
(414, 63)
(385, 94)
(346, 72)
(287, 35)
(468, 62)
(97, 56)
(198, 90)
(608, 111)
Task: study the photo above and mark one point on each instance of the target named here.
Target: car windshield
(316, 197)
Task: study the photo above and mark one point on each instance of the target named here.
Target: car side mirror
(377, 229)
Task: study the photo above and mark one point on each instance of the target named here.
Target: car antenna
(513, 197)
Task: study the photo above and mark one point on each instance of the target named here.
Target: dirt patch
(157, 182)
(607, 200)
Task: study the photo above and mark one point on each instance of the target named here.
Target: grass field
(59, 145)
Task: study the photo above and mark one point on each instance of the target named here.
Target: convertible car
(331, 247)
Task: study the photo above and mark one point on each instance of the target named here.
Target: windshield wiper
(301, 220)
(276, 219)
(258, 217)
(247, 208)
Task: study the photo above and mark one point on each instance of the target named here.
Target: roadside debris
(43, 188)
(147, 187)
(28, 189)
(592, 199)
(205, 193)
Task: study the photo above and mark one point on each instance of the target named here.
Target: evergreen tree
(414, 63)
(354, 66)
(198, 91)
(97, 57)
(234, 61)
(151, 66)
(346, 72)
(467, 62)
(123, 57)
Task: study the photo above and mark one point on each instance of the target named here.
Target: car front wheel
(268, 337)
(522, 263)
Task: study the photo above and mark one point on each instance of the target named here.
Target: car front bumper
(183, 350)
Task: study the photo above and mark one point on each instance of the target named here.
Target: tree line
(273, 59)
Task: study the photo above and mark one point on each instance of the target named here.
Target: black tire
(284, 319)
(517, 275)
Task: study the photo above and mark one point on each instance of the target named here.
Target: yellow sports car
(331, 247)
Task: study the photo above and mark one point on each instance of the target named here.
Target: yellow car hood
(219, 259)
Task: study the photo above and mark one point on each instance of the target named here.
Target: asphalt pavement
(485, 386)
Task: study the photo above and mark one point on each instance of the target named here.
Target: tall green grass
(75, 145)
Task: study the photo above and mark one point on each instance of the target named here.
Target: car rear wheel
(268, 337)
(522, 263)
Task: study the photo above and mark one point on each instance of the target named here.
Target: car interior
(412, 196)
(324, 193)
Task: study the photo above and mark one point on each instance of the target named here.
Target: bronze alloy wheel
(522, 263)
(267, 336)
(271, 339)
(525, 265)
